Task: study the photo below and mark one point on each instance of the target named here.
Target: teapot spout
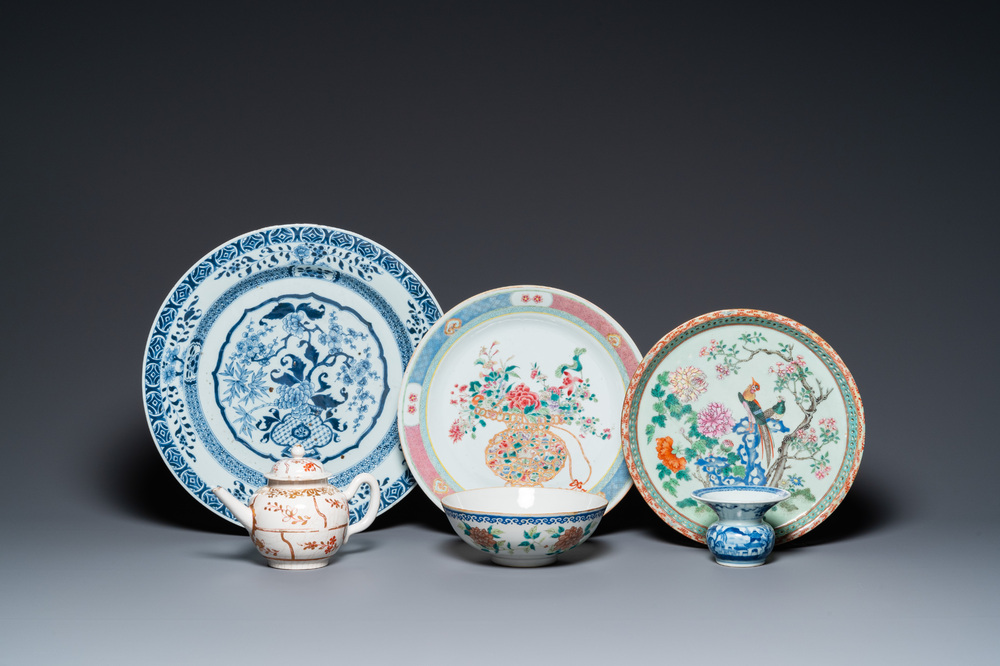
(239, 510)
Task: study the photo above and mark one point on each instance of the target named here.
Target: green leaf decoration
(658, 391)
(675, 407)
(683, 475)
(805, 493)
(687, 503)
(671, 486)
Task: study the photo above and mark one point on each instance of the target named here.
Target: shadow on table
(864, 510)
(138, 483)
(135, 480)
(457, 549)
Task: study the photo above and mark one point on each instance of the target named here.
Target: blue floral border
(523, 520)
(154, 401)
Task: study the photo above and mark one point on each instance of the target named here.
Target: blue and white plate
(288, 335)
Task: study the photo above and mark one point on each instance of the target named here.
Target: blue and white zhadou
(741, 537)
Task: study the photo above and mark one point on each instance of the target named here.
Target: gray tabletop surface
(836, 165)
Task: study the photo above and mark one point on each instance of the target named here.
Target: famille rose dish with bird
(290, 335)
(743, 397)
(519, 386)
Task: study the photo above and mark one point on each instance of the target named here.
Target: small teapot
(298, 520)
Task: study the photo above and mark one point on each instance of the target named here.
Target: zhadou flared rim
(747, 495)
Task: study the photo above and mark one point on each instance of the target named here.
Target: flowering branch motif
(264, 549)
(326, 546)
(290, 514)
(300, 370)
(305, 254)
(791, 374)
(172, 367)
(699, 449)
(531, 537)
(500, 392)
(334, 502)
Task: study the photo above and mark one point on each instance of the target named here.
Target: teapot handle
(373, 502)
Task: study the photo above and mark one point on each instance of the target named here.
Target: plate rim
(206, 258)
(626, 341)
(641, 375)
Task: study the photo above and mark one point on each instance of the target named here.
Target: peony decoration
(499, 393)
(687, 383)
(715, 420)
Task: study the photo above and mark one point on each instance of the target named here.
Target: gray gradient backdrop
(838, 165)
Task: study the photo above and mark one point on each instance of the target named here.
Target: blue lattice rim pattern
(310, 252)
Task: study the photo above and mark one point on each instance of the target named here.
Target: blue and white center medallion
(288, 335)
(301, 370)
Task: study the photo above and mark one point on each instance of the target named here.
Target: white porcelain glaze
(298, 520)
(518, 386)
(741, 537)
(523, 527)
(294, 334)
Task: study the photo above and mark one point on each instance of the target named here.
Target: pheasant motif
(758, 417)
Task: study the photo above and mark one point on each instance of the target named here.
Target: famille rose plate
(743, 397)
(520, 386)
(287, 335)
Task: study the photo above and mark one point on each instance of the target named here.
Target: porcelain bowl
(524, 527)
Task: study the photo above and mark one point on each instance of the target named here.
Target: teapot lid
(298, 468)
